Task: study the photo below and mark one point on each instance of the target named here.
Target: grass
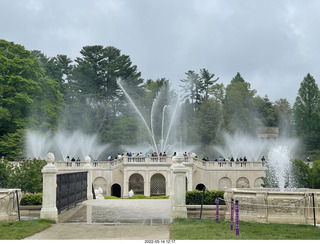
(206, 229)
(16, 230)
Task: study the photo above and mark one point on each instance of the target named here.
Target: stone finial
(87, 159)
(178, 159)
(50, 158)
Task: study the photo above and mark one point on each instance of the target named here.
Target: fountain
(284, 204)
(63, 144)
(168, 113)
(280, 164)
(240, 145)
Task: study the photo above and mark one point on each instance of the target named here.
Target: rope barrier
(273, 206)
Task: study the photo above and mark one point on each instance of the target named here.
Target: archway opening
(116, 190)
(136, 184)
(157, 185)
(100, 182)
(200, 187)
(243, 182)
(224, 183)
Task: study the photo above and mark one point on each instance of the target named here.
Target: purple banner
(237, 217)
(231, 217)
(217, 209)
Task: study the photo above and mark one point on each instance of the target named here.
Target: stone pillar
(146, 184)
(179, 187)
(262, 213)
(89, 168)
(49, 198)
(126, 184)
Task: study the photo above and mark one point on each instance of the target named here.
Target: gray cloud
(273, 44)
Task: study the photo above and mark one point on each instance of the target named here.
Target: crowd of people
(164, 154)
(144, 155)
(231, 159)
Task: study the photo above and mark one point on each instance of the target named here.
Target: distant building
(269, 132)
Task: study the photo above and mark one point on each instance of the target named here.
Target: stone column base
(179, 212)
(49, 213)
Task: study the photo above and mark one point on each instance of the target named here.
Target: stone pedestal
(49, 209)
(89, 168)
(179, 171)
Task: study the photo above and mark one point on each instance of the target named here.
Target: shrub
(159, 197)
(195, 197)
(111, 197)
(138, 197)
(31, 199)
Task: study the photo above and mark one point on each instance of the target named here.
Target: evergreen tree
(284, 116)
(239, 107)
(267, 114)
(210, 121)
(307, 114)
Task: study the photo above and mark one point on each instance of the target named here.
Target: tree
(46, 110)
(20, 72)
(57, 68)
(191, 89)
(284, 114)
(27, 176)
(197, 87)
(315, 175)
(301, 174)
(3, 174)
(210, 121)
(307, 114)
(94, 87)
(207, 82)
(266, 111)
(239, 106)
(270, 181)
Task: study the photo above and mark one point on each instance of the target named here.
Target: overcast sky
(272, 43)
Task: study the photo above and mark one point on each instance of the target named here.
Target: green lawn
(205, 229)
(16, 230)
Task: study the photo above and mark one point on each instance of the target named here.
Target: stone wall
(9, 204)
(214, 175)
(263, 205)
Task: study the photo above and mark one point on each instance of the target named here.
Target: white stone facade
(116, 177)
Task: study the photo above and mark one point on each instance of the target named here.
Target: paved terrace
(112, 219)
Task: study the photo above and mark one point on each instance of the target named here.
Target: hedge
(31, 199)
(195, 197)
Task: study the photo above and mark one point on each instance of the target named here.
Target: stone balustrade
(265, 205)
(206, 165)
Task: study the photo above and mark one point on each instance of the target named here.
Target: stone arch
(136, 183)
(243, 182)
(224, 183)
(116, 190)
(100, 182)
(258, 182)
(200, 187)
(157, 185)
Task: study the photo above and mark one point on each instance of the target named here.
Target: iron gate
(71, 189)
(158, 185)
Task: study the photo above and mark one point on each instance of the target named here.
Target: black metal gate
(71, 189)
